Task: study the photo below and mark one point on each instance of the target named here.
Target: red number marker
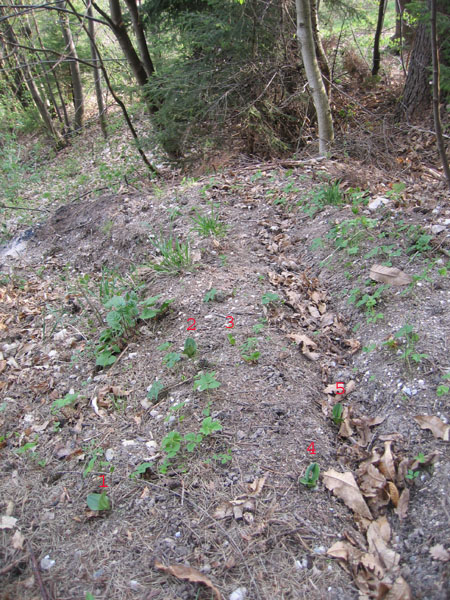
(191, 327)
(230, 322)
(103, 485)
(340, 388)
(310, 448)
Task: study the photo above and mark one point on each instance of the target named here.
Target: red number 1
(310, 448)
(103, 481)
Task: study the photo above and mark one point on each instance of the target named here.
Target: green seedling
(171, 443)
(140, 470)
(207, 410)
(231, 339)
(174, 409)
(94, 454)
(248, 350)
(442, 389)
(369, 348)
(311, 476)
(190, 347)
(98, 502)
(28, 446)
(412, 474)
(154, 391)
(171, 359)
(336, 413)
(68, 400)
(410, 338)
(210, 295)
(206, 381)
(206, 225)
(223, 458)
(420, 457)
(193, 440)
(175, 256)
(269, 297)
(209, 426)
(164, 347)
(89, 596)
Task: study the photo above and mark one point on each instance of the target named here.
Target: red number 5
(191, 327)
(340, 388)
(230, 323)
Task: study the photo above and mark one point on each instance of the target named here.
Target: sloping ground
(290, 312)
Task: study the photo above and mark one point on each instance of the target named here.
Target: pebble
(238, 594)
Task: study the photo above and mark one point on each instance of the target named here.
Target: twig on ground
(37, 574)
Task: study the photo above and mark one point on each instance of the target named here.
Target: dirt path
(277, 331)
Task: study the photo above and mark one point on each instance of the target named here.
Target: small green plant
(410, 338)
(210, 295)
(93, 454)
(68, 400)
(98, 502)
(248, 350)
(29, 446)
(369, 348)
(171, 359)
(190, 347)
(209, 225)
(165, 346)
(222, 457)
(206, 381)
(421, 244)
(154, 391)
(336, 414)
(171, 443)
(443, 389)
(369, 301)
(231, 339)
(269, 297)
(175, 256)
(311, 476)
(209, 426)
(412, 474)
(140, 470)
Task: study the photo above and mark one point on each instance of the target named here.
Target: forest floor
(296, 312)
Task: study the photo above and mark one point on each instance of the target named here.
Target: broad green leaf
(98, 501)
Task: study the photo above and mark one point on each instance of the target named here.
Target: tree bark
(77, 87)
(320, 52)
(402, 30)
(319, 94)
(97, 73)
(140, 37)
(417, 93)
(376, 42)
(436, 108)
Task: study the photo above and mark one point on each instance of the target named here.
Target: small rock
(377, 202)
(238, 594)
(47, 563)
(435, 229)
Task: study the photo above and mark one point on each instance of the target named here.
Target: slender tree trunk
(11, 39)
(319, 94)
(320, 52)
(140, 37)
(436, 107)
(97, 73)
(402, 30)
(77, 87)
(376, 43)
(15, 81)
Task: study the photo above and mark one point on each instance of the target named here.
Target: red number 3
(230, 323)
(191, 327)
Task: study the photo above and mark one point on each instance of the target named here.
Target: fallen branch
(37, 574)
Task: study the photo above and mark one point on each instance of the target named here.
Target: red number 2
(191, 327)
(310, 448)
(230, 323)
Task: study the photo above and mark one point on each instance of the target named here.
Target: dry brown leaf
(378, 536)
(372, 564)
(438, 552)
(343, 485)
(386, 464)
(438, 428)
(344, 551)
(345, 430)
(257, 485)
(371, 481)
(189, 574)
(402, 506)
(393, 493)
(390, 275)
(399, 591)
(18, 540)
(224, 510)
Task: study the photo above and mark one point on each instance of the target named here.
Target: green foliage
(171, 359)
(175, 256)
(269, 297)
(209, 426)
(206, 381)
(190, 347)
(408, 338)
(98, 501)
(311, 476)
(68, 400)
(210, 295)
(171, 443)
(231, 339)
(140, 470)
(207, 225)
(336, 413)
(248, 350)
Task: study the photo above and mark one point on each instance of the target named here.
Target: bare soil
(274, 536)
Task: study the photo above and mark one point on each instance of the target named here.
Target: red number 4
(310, 448)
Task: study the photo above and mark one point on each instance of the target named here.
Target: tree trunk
(77, 87)
(376, 42)
(417, 93)
(319, 94)
(11, 40)
(97, 73)
(402, 30)
(436, 107)
(320, 52)
(140, 37)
